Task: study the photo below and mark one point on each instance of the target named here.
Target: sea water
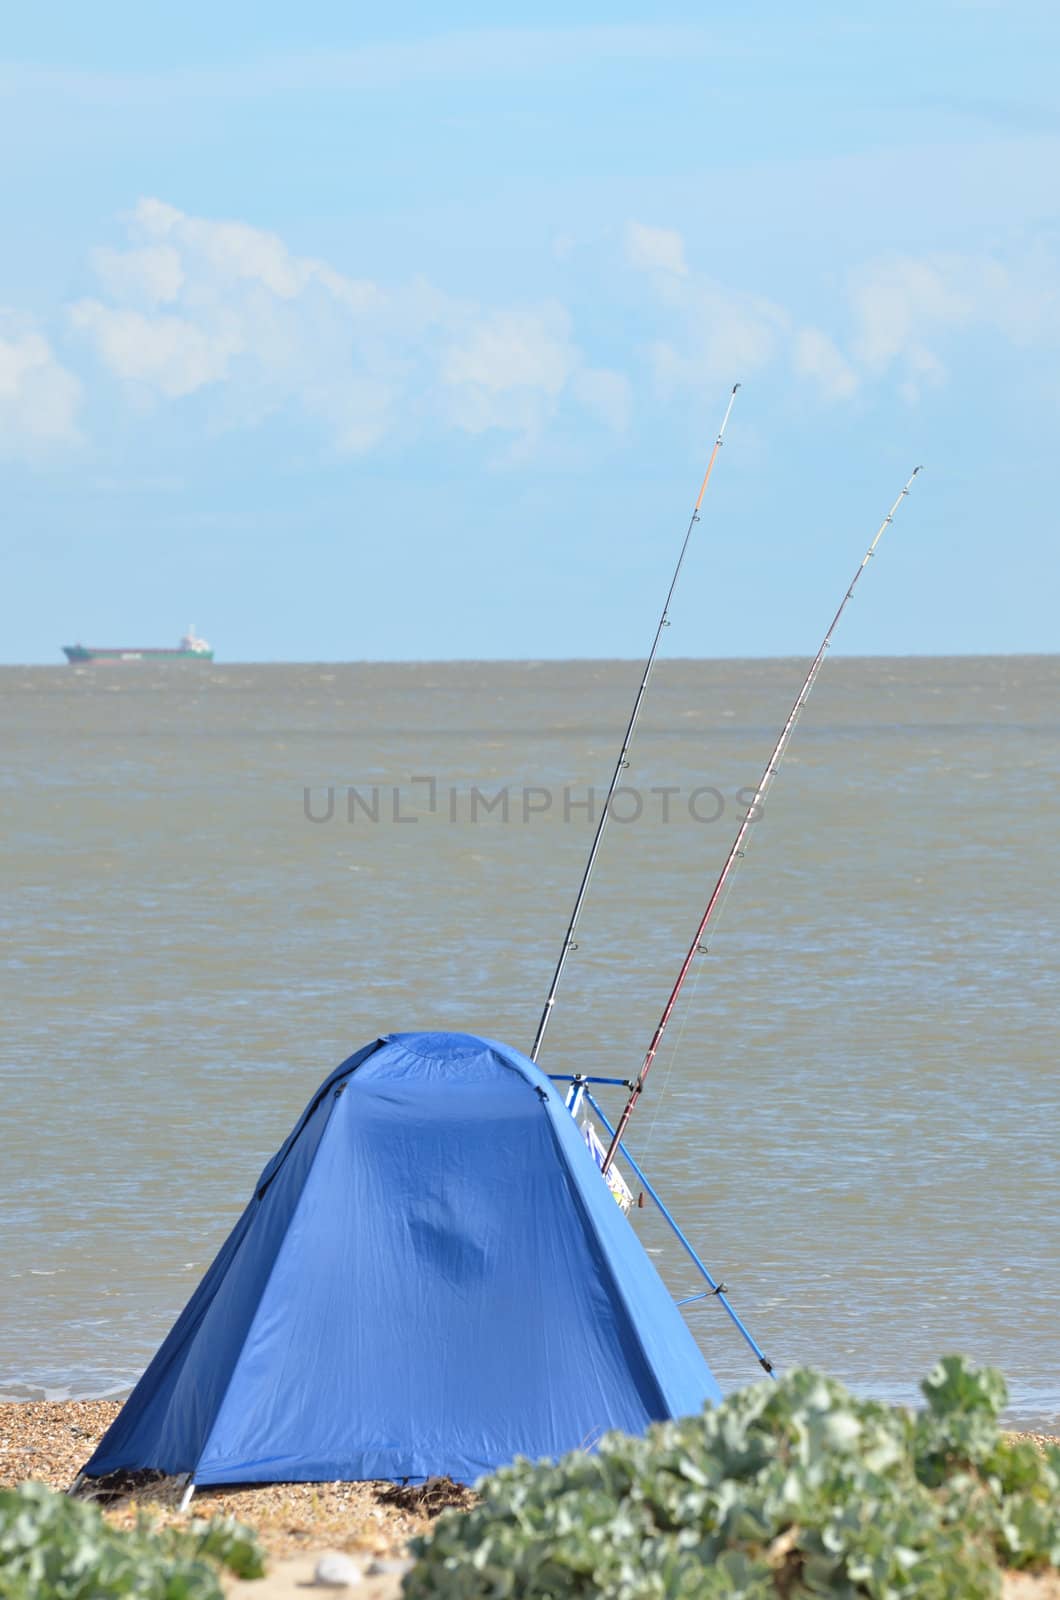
(220, 880)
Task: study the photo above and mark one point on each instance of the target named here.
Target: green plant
(788, 1488)
(55, 1548)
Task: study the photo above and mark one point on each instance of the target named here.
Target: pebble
(336, 1572)
(380, 1566)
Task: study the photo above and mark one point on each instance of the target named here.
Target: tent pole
(189, 1491)
(697, 947)
(716, 1290)
(623, 762)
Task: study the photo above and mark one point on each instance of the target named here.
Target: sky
(353, 335)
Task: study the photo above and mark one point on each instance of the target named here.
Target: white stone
(336, 1572)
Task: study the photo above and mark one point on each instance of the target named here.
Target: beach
(49, 1441)
(296, 1523)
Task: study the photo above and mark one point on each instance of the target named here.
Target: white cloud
(901, 314)
(509, 370)
(655, 249)
(230, 314)
(514, 350)
(723, 334)
(814, 355)
(39, 398)
(165, 352)
(234, 250)
(734, 332)
(896, 302)
(153, 275)
(905, 307)
(198, 306)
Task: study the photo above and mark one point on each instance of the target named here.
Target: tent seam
(265, 1286)
(662, 1404)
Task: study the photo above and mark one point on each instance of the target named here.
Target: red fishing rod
(737, 851)
(622, 763)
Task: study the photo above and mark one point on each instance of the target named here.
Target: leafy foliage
(55, 1548)
(787, 1488)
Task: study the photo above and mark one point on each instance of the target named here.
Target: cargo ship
(190, 648)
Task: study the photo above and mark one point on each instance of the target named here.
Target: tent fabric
(430, 1278)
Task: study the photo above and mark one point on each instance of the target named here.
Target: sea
(220, 880)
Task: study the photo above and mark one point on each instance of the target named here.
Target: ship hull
(80, 653)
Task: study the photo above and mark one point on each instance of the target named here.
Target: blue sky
(360, 336)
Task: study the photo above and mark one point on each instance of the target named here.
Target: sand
(296, 1523)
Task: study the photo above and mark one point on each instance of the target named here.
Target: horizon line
(444, 661)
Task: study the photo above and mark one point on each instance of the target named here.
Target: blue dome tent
(431, 1277)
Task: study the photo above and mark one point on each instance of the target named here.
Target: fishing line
(687, 1012)
(622, 763)
(697, 947)
(676, 1043)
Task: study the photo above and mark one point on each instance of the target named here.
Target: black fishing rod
(622, 763)
(697, 946)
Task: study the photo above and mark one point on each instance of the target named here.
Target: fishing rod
(622, 763)
(736, 853)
